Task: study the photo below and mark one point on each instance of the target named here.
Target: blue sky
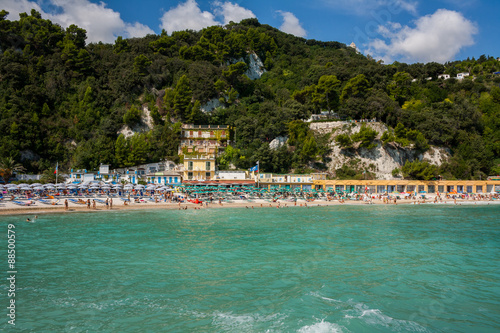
(403, 30)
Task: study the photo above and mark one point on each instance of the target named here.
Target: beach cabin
(232, 175)
(285, 181)
(166, 178)
(461, 76)
(107, 175)
(80, 176)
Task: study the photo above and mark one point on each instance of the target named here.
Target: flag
(255, 168)
(57, 166)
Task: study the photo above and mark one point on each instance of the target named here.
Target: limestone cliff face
(145, 125)
(255, 65)
(380, 160)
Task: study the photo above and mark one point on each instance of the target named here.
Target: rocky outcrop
(278, 142)
(211, 105)
(255, 65)
(144, 125)
(380, 160)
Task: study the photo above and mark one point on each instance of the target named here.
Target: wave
(321, 327)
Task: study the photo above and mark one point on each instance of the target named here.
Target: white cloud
(437, 37)
(232, 12)
(291, 24)
(368, 7)
(187, 16)
(102, 23)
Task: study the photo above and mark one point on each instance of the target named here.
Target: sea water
(427, 268)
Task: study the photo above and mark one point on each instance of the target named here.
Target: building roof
(220, 182)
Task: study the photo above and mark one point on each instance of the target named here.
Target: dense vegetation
(63, 100)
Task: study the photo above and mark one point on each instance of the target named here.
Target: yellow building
(200, 146)
(430, 186)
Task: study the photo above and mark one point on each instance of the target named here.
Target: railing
(191, 126)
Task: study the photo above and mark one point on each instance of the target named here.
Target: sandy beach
(9, 208)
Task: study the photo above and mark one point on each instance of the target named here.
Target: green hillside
(64, 100)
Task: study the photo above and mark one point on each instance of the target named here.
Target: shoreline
(9, 208)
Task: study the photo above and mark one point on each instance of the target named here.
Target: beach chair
(79, 201)
(46, 202)
(22, 203)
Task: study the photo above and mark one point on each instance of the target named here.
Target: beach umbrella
(38, 188)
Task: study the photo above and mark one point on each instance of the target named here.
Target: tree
(366, 135)
(132, 116)
(399, 88)
(8, 166)
(355, 87)
(121, 151)
(326, 94)
(182, 98)
(141, 64)
(419, 170)
(121, 45)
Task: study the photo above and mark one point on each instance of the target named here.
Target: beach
(9, 208)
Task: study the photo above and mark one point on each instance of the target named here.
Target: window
(207, 165)
(431, 189)
(479, 189)
(400, 188)
(207, 175)
(410, 188)
(421, 188)
(469, 189)
(450, 188)
(489, 188)
(190, 165)
(440, 188)
(190, 175)
(199, 134)
(380, 188)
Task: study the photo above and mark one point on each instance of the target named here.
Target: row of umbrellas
(83, 186)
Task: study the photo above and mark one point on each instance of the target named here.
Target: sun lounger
(47, 202)
(79, 201)
(22, 203)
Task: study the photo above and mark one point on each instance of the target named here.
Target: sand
(9, 208)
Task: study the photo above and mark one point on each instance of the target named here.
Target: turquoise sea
(321, 269)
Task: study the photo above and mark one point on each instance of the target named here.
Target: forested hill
(64, 100)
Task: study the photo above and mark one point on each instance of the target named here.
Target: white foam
(375, 317)
(244, 322)
(321, 327)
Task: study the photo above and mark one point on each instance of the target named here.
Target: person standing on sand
(107, 203)
(65, 204)
(93, 203)
(111, 203)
